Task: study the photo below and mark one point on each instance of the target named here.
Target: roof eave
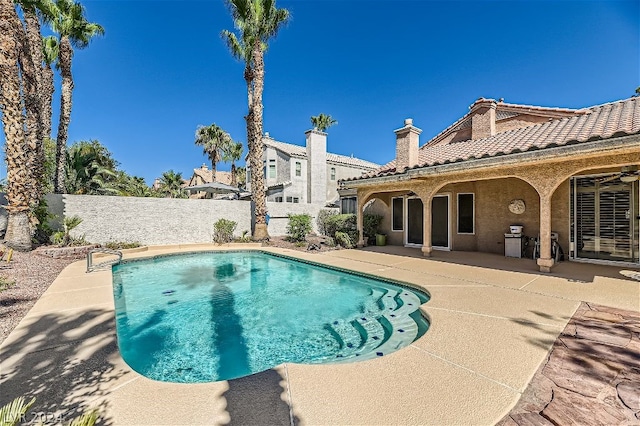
(584, 148)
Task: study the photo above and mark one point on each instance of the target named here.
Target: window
(298, 168)
(397, 205)
(289, 199)
(278, 199)
(333, 173)
(466, 214)
(296, 199)
(272, 168)
(348, 205)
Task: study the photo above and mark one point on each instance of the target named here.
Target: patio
(493, 320)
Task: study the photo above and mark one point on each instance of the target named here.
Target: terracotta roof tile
(599, 122)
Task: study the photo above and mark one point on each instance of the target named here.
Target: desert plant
(321, 220)
(121, 245)
(343, 239)
(5, 284)
(371, 224)
(223, 231)
(298, 227)
(345, 223)
(43, 230)
(245, 238)
(64, 238)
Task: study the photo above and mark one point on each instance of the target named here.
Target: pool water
(204, 317)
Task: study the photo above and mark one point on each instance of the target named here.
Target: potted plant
(371, 227)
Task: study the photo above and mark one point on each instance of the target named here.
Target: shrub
(121, 245)
(64, 238)
(321, 221)
(343, 239)
(371, 224)
(298, 227)
(345, 223)
(223, 231)
(245, 238)
(6, 283)
(43, 230)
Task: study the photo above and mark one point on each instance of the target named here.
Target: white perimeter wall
(164, 220)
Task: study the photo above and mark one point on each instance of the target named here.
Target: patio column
(359, 219)
(426, 227)
(545, 262)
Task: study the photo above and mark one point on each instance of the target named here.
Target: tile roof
(301, 152)
(600, 122)
(207, 175)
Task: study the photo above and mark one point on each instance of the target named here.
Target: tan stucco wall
(518, 122)
(492, 215)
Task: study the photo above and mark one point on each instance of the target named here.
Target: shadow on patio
(572, 271)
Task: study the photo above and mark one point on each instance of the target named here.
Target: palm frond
(87, 419)
(13, 413)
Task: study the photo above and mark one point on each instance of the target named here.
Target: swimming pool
(203, 317)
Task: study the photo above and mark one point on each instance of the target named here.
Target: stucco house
(570, 172)
(307, 174)
(204, 175)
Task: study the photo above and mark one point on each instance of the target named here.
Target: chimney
(316, 167)
(483, 118)
(407, 143)
(204, 167)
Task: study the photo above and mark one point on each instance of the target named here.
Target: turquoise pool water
(212, 316)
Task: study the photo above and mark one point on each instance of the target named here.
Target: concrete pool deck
(493, 321)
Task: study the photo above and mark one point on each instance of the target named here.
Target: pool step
(375, 334)
(390, 330)
(350, 338)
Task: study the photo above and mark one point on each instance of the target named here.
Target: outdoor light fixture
(629, 178)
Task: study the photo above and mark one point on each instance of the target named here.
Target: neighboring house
(307, 174)
(570, 172)
(205, 175)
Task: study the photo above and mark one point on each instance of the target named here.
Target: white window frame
(458, 213)
(272, 162)
(298, 169)
(333, 173)
(403, 214)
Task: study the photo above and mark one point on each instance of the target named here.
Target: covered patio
(465, 195)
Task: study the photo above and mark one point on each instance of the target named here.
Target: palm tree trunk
(234, 179)
(254, 136)
(214, 168)
(31, 60)
(47, 93)
(18, 233)
(64, 60)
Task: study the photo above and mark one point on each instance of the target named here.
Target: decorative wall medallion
(517, 206)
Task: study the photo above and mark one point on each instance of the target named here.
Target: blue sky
(162, 69)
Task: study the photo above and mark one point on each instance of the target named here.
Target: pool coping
(465, 383)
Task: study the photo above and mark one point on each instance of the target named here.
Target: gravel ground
(32, 274)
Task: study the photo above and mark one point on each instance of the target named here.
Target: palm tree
(171, 185)
(213, 141)
(49, 56)
(74, 31)
(231, 154)
(30, 60)
(90, 169)
(322, 122)
(256, 21)
(18, 233)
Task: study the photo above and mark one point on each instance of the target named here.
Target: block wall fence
(164, 220)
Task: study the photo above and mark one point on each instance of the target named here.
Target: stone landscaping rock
(603, 333)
